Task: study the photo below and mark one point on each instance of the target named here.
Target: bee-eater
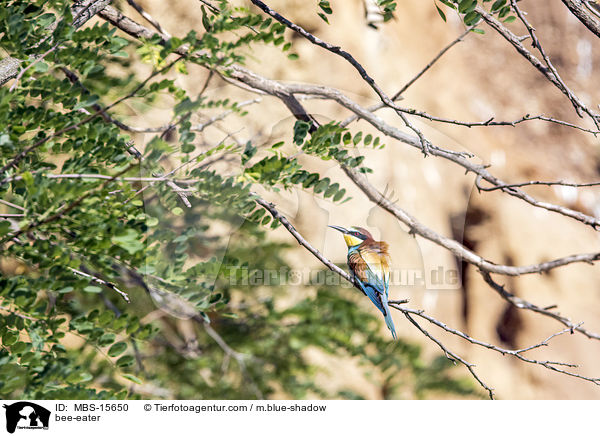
(369, 263)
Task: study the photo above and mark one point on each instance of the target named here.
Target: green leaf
(93, 99)
(205, 21)
(132, 378)
(4, 227)
(106, 339)
(441, 12)
(325, 7)
(19, 347)
(117, 349)
(497, 5)
(9, 338)
(471, 18)
(78, 377)
(106, 318)
(41, 67)
(92, 289)
(128, 241)
(321, 186)
(339, 195)
(465, 6)
(125, 361)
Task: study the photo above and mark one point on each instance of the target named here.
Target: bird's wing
(377, 270)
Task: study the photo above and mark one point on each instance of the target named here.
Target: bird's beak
(338, 228)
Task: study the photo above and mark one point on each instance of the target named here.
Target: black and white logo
(26, 415)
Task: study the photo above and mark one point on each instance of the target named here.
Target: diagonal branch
(552, 366)
(549, 72)
(523, 304)
(408, 84)
(451, 355)
(578, 8)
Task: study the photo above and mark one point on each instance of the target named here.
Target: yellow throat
(351, 241)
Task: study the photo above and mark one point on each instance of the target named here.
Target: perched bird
(369, 263)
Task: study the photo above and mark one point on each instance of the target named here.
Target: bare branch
(532, 183)
(270, 207)
(286, 92)
(402, 90)
(578, 8)
(103, 283)
(276, 88)
(492, 122)
(451, 355)
(553, 366)
(523, 304)
(149, 18)
(8, 203)
(547, 70)
(454, 246)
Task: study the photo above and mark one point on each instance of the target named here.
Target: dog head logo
(26, 415)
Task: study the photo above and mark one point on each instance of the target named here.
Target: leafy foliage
(96, 217)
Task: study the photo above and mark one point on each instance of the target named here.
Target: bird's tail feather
(390, 323)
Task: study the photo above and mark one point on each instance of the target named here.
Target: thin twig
(240, 358)
(452, 356)
(546, 69)
(102, 282)
(20, 315)
(533, 183)
(38, 59)
(8, 203)
(546, 311)
(402, 90)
